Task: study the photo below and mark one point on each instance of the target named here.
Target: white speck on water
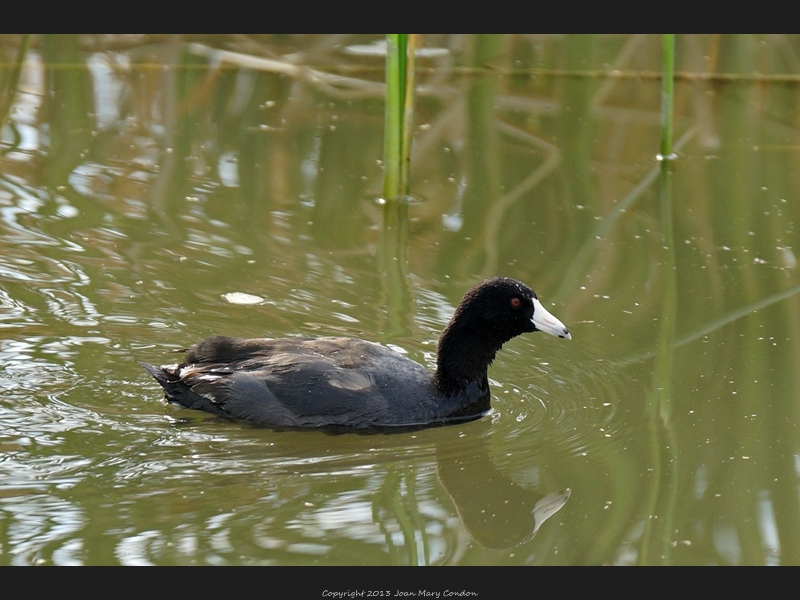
(242, 298)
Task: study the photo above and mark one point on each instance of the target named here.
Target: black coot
(336, 382)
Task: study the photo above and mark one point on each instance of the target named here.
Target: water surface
(144, 179)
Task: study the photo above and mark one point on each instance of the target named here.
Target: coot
(345, 383)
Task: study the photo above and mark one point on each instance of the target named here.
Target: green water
(142, 179)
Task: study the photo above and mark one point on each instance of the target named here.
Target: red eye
(516, 302)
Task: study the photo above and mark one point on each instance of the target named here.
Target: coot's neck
(465, 352)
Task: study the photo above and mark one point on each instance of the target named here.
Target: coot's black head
(504, 308)
(488, 315)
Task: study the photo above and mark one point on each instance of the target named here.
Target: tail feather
(177, 392)
(155, 371)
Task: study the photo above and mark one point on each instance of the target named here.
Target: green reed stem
(667, 95)
(408, 112)
(400, 49)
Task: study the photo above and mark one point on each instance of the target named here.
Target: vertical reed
(667, 94)
(400, 48)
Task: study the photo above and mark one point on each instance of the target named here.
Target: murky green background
(143, 178)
